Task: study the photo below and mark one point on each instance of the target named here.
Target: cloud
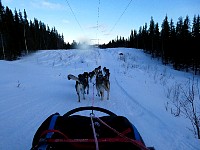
(51, 5)
(92, 27)
(46, 4)
(65, 21)
(107, 34)
(8, 1)
(101, 27)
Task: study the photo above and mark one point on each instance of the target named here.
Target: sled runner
(74, 132)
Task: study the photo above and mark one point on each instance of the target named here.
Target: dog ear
(80, 75)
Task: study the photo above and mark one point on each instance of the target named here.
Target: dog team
(102, 82)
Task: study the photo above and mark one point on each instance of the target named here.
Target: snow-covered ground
(36, 86)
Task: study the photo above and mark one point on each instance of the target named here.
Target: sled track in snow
(142, 109)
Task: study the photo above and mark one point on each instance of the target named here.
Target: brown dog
(106, 73)
(102, 84)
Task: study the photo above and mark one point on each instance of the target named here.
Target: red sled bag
(77, 132)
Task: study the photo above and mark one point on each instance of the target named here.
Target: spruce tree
(152, 36)
(157, 41)
(165, 39)
(2, 47)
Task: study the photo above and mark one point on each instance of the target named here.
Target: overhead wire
(120, 17)
(98, 10)
(98, 14)
(74, 16)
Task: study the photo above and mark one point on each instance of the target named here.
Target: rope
(93, 96)
(136, 143)
(94, 132)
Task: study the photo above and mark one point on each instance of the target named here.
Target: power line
(98, 20)
(120, 17)
(75, 16)
(98, 16)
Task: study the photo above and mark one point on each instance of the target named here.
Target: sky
(99, 21)
(141, 89)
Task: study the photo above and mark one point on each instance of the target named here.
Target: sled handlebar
(89, 108)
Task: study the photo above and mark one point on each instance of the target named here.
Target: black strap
(89, 108)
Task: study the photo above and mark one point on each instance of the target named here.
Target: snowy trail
(138, 110)
(37, 86)
(159, 126)
(122, 97)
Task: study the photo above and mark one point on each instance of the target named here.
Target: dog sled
(77, 132)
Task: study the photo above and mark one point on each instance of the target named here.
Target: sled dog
(91, 75)
(81, 84)
(86, 82)
(106, 73)
(102, 84)
(94, 73)
(97, 70)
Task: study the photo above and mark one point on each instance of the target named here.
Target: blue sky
(112, 19)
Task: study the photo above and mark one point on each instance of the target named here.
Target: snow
(36, 86)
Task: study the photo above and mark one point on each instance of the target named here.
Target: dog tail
(70, 76)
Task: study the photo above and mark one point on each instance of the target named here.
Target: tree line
(18, 36)
(177, 44)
